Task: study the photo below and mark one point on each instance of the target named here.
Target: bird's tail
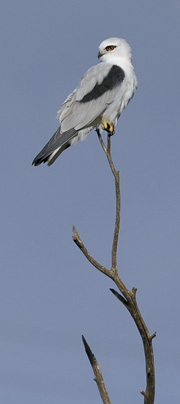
(58, 142)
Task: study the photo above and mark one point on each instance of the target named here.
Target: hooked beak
(101, 53)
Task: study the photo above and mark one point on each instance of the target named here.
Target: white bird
(102, 94)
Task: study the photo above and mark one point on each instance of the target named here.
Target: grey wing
(97, 89)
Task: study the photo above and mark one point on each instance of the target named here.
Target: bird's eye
(110, 48)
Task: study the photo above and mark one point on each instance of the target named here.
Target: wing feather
(97, 89)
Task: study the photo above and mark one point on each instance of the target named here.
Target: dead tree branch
(97, 373)
(127, 297)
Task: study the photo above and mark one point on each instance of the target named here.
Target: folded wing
(83, 109)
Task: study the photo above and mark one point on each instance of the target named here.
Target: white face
(114, 47)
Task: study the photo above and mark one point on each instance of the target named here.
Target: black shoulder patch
(115, 76)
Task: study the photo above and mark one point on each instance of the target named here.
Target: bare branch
(97, 373)
(127, 297)
(79, 243)
(130, 296)
(107, 151)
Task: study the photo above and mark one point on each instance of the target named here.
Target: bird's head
(114, 48)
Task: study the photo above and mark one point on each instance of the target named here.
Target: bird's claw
(109, 127)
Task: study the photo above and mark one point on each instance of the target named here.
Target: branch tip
(119, 297)
(153, 335)
(76, 238)
(134, 291)
(97, 373)
(74, 232)
(89, 353)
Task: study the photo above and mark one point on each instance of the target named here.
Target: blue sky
(49, 293)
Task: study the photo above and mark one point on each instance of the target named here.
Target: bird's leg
(98, 132)
(108, 126)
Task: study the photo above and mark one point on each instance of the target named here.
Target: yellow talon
(108, 126)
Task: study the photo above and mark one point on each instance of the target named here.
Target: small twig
(97, 373)
(120, 297)
(153, 335)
